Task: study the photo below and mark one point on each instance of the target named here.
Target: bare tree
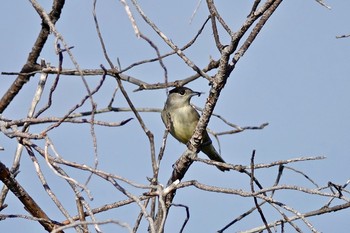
(156, 198)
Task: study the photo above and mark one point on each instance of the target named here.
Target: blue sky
(295, 76)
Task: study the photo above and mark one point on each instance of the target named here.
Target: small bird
(183, 121)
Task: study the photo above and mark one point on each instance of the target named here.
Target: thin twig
(262, 216)
(25, 129)
(178, 51)
(187, 215)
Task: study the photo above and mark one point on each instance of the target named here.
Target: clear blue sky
(295, 76)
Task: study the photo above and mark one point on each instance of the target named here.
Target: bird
(181, 119)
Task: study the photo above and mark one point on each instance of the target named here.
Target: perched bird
(183, 121)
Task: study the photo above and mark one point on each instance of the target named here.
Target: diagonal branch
(31, 63)
(218, 82)
(31, 206)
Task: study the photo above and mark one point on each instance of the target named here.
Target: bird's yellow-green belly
(182, 132)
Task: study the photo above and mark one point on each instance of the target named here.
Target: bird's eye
(182, 92)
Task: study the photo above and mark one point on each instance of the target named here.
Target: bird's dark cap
(179, 89)
(182, 90)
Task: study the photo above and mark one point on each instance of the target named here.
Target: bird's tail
(210, 151)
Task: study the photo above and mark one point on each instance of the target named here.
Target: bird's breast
(183, 123)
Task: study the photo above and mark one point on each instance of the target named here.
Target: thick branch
(218, 83)
(31, 64)
(30, 205)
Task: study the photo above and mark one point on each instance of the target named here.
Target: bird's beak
(196, 93)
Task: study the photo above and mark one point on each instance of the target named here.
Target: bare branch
(31, 64)
(323, 4)
(29, 203)
(262, 216)
(178, 51)
(342, 36)
(34, 121)
(187, 215)
(151, 198)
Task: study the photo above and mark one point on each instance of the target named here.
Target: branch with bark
(34, 133)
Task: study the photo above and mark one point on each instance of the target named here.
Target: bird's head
(180, 96)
